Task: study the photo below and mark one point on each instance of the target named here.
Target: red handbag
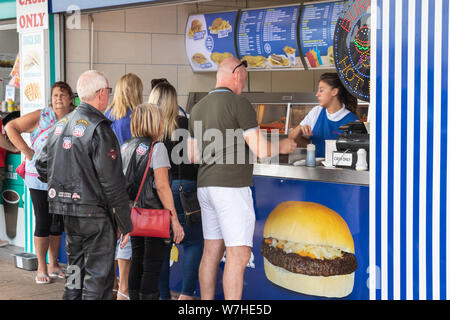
(21, 170)
(149, 222)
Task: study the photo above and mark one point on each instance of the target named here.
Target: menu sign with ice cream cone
(317, 25)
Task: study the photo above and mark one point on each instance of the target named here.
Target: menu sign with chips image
(210, 39)
(32, 72)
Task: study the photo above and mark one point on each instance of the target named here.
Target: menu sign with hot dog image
(210, 39)
(317, 25)
(267, 38)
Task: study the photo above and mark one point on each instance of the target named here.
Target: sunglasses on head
(243, 63)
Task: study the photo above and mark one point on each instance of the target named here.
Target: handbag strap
(145, 174)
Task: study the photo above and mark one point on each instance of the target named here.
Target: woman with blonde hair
(185, 176)
(148, 252)
(127, 96)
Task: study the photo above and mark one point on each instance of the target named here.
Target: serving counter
(319, 173)
(345, 191)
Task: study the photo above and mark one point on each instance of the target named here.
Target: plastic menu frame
(210, 38)
(318, 52)
(289, 60)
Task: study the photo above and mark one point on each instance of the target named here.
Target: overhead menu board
(317, 25)
(267, 38)
(210, 39)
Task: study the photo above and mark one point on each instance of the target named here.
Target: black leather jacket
(135, 153)
(82, 165)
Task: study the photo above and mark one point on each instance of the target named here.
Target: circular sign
(352, 48)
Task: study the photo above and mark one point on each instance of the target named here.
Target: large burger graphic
(308, 248)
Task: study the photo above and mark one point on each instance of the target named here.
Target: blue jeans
(192, 246)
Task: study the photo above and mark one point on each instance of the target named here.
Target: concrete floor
(19, 284)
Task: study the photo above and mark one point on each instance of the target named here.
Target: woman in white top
(337, 107)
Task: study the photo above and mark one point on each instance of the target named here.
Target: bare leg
(212, 254)
(124, 271)
(53, 252)
(233, 276)
(41, 244)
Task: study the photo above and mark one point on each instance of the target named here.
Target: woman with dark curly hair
(38, 123)
(337, 107)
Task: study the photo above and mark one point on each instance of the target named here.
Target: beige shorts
(228, 214)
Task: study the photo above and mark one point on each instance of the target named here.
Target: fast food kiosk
(343, 190)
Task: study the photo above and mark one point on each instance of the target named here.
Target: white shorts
(125, 253)
(228, 214)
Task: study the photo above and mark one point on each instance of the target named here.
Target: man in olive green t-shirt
(224, 138)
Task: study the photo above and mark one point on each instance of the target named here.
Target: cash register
(355, 137)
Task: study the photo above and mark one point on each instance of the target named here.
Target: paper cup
(11, 206)
(330, 146)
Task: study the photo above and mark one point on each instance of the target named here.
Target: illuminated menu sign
(267, 38)
(352, 48)
(210, 39)
(317, 26)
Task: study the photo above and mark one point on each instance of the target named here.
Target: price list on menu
(317, 26)
(263, 33)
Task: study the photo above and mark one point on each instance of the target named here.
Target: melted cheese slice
(306, 250)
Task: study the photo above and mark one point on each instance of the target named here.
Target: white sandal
(123, 295)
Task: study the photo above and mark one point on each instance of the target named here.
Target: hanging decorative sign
(352, 48)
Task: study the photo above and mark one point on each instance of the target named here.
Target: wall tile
(292, 81)
(113, 72)
(119, 47)
(260, 81)
(152, 19)
(109, 21)
(73, 72)
(188, 81)
(168, 49)
(149, 72)
(77, 45)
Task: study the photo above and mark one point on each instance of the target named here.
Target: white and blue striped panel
(410, 180)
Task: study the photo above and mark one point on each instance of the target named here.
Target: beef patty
(308, 266)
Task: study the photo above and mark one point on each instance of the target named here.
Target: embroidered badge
(76, 196)
(78, 131)
(51, 193)
(142, 149)
(59, 129)
(112, 154)
(67, 144)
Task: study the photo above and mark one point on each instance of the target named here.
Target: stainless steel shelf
(319, 173)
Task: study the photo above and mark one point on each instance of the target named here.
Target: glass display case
(278, 113)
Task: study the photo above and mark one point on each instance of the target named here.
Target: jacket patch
(142, 149)
(112, 153)
(67, 144)
(64, 195)
(59, 129)
(51, 193)
(123, 148)
(76, 196)
(78, 131)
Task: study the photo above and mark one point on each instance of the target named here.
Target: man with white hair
(83, 167)
(224, 194)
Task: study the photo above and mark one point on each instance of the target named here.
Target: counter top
(319, 173)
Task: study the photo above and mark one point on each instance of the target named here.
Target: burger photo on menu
(308, 248)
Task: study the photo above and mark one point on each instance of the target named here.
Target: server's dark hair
(345, 97)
